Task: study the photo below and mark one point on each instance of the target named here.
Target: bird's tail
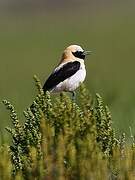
(44, 89)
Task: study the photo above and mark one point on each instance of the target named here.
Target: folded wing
(66, 71)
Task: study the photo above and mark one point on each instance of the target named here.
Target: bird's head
(73, 53)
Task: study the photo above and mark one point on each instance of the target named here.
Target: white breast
(73, 82)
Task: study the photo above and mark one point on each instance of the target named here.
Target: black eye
(79, 54)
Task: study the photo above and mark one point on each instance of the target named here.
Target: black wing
(66, 71)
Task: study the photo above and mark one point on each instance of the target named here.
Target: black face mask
(79, 54)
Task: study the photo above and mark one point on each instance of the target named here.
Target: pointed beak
(87, 52)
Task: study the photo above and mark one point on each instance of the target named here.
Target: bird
(69, 73)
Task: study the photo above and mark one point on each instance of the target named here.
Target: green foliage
(105, 133)
(62, 139)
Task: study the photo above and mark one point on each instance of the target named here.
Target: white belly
(71, 83)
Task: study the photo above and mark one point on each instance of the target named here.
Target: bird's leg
(73, 100)
(73, 96)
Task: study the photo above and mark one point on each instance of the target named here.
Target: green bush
(63, 139)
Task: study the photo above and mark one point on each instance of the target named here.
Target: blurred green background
(33, 35)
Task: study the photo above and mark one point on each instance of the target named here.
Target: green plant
(62, 139)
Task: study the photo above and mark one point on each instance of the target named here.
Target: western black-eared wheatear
(69, 73)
